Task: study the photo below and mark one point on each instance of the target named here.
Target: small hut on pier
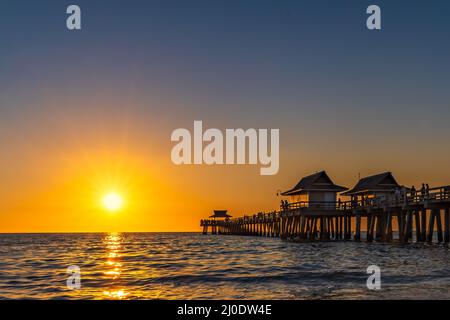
(316, 190)
(220, 215)
(382, 186)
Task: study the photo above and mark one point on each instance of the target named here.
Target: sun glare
(112, 202)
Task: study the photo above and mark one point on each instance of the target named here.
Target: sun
(112, 201)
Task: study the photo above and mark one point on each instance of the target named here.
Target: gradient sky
(88, 111)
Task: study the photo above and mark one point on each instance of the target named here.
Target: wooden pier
(411, 216)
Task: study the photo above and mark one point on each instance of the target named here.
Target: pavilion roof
(383, 182)
(319, 181)
(220, 214)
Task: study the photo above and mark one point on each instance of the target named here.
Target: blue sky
(239, 56)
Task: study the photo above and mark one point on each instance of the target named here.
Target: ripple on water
(193, 266)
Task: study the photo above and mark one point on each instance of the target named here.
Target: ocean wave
(189, 265)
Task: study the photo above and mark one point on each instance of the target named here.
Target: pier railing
(319, 205)
(405, 199)
(437, 194)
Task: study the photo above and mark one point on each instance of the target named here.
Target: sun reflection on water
(113, 245)
(117, 294)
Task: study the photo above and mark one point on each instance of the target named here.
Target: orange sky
(55, 174)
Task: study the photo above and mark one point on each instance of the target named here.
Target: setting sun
(112, 202)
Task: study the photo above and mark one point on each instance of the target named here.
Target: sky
(86, 112)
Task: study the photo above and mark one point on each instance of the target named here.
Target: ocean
(195, 266)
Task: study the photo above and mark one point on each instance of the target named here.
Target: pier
(378, 210)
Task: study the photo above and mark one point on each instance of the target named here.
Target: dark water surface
(193, 266)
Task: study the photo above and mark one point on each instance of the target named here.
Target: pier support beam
(345, 228)
(431, 226)
(417, 224)
(447, 225)
(388, 235)
(378, 228)
(370, 227)
(439, 225)
(401, 227)
(314, 233)
(424, 225)
(358, 228)
(409, 223)
(336, 228)
(332, 225)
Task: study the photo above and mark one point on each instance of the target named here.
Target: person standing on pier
(422, 192)
(284, 205)
(427, 190)
(413, 193)
(404, 195)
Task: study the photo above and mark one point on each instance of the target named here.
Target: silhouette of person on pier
(422, 192)
(413, 193)
(284, 205)
(404, 195)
